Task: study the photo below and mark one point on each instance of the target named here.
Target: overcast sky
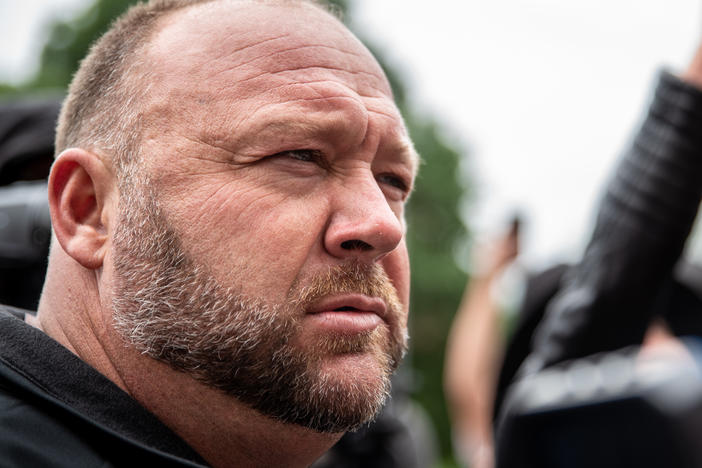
(543, 94)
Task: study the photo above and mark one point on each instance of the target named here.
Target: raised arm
(643, 222)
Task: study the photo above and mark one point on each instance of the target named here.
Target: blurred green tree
(433, 212)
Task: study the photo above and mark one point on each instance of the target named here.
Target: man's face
(263, 250)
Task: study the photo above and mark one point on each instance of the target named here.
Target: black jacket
(607, 301)
(571, 415)
(57, 411)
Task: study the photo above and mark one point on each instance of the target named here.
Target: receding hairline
(83, 120)
(175, 18)
(162, 22)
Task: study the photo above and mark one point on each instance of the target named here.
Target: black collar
(40, 365)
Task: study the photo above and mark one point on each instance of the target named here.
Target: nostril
(356, 244)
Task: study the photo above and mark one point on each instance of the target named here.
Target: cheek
(261, 242)
(282, 238)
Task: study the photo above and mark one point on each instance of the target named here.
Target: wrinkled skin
(273, 156)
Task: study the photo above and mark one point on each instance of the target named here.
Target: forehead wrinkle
(295, 59)
(291, 81)
(306, 84)
(332, 69)
(294, 124)
(284, 51)
(363, 81)
(230, 53)
(277, 54)
(287, 56)
(282, 71)
(239, 41)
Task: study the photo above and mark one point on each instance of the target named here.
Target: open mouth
(345, 309)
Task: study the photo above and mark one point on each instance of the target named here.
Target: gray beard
(174, 310)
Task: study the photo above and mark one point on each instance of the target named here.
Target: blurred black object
(25, 232)
(539, 290)
(680, 303)
(401, 437)
(27, 139)
(26, 154)
(25, 224)
(615, 409)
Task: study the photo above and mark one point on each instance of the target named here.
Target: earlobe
(79, 187)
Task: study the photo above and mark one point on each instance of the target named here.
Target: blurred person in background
(611, 297)
(490, 338)
(630, 287)
(474, 351)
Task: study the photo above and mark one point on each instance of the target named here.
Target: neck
(220, 428)
(72, 313)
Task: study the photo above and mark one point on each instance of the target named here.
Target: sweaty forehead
(232, 43)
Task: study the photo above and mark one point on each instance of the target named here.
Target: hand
(693, 74)
(494, 257)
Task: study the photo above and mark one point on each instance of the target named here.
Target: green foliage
(8, 90)
(437, 283)
(69, 41)
(434, 224)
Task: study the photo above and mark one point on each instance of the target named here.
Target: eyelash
(306, 155)
(313, 155)
(317, 157)
(393, 180)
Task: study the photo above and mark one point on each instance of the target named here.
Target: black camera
(25, 234)
(619, 409)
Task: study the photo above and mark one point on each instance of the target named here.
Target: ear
(80, 187)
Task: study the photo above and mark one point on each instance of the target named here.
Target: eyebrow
(397, 144)
(415, 158)
(405, 150)
(285, 126)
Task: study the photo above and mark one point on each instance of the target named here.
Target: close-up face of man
(260, 241)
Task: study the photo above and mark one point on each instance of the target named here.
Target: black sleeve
(607, 300)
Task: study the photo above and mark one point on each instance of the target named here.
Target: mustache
(351, 276)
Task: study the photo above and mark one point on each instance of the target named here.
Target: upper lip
(359, 302)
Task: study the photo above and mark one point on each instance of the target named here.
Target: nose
(363, 226)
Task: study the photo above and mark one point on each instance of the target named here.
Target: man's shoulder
(7, 311)
(54, 405)
(32, 435)
(32, 432)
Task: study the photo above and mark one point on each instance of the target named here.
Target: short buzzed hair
(103, 108)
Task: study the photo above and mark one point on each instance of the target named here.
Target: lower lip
(345, 322)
